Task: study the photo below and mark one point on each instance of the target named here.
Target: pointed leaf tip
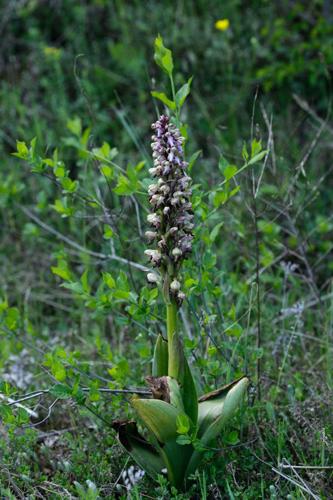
(160, 358)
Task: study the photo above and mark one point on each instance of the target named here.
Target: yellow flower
(222, 24)
(52, 52)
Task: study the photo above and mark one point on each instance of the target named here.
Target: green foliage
(83, 330)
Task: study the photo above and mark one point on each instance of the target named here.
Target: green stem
(171, 320)
(173, 343)
(173, 90)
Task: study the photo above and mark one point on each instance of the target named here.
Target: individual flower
(152, 278)
(222, 24)
(175, 285)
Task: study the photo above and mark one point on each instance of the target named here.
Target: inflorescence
(172, 216)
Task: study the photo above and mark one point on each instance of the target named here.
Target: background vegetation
(77, 318)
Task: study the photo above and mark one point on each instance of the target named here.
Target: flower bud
(176, 252)
(155, 256)
(165, 189)
(154, 219)
(166, 170)
(152, 188)
(150, 235)
(175, 285)
(152, 278)
(154, 199)
(162, 243)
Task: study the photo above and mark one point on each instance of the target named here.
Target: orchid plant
(178, 426)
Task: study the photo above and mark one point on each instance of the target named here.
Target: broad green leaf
(22, 150)
(223, 163)
(215, 409)
(232, 438)
(124, 186)
(162, 97)
(234, 330)
(5, 388)
(85, 139)
(255, 147)
(184, 377)
(144, 454)
(183, 92)
(105, 152)
(191, 283)
(219, 198)
(158, 416)
(215, 231)
(94, 394)
(68, 185)
(176, 396)
(109, 280)
(84, 281)
(232, 400)
(245, 153)
(60, 172)
(61, 206)
(163, 56)
(108, 233)
(193, 159)
(230, 171)
(75, 126)
(22, 416)
(213, 405)
(58, 370)
(189, 394)
(160, 359)
(12, 318)
(176, 457)
(139, 166)
(75, 287)
(62, 271)
(257, 157)
(61, 391)
(107, 171)
(6, 414)
(233, 192)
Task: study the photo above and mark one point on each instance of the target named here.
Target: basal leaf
(215, 409)
(158, 416)
(144, 454)
(212, 406)
(160, 359)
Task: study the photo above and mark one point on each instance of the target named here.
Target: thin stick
(78, 247)
(11, 402)
(36, 394)
(258, 337)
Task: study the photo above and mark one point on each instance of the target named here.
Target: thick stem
(173, 341)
